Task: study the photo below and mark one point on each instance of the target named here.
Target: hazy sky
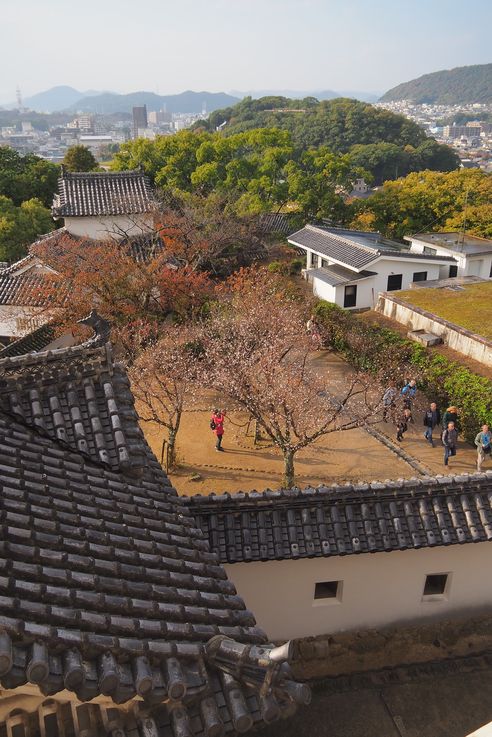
(167, 46)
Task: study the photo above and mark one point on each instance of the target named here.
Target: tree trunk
(288, 468)
(171, 449)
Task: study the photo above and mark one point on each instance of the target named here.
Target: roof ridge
(340, 492)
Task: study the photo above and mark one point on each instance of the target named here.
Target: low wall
(363, 651)
(454, 336)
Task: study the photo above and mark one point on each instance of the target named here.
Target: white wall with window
(392, 274)
(317, 596)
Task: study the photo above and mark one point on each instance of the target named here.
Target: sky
(168, 46)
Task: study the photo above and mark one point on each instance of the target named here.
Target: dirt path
(350, 456)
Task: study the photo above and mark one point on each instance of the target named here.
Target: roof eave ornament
(101, 327)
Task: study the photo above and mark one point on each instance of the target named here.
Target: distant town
(467, 128)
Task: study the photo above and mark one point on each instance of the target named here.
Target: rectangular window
(429, 251)
(314, 260)
(420, 276)
(436, 585)
(324, 263)
(327, 590)
(394, 282)
(490, 274)
(453, 271)
(350, 296)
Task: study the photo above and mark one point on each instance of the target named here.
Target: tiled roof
(30, 343)
(102, 193)
(336, 275)
(343, 520)
(31, 290)
(342, 248)
(106, 585)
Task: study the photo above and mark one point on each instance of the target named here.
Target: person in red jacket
(217, 425)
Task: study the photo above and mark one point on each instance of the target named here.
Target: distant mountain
(185, 102)
(449, 87)
(54, 99)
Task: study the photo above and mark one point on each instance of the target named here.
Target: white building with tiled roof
(352, 267)
(473, 255)
(101, 205)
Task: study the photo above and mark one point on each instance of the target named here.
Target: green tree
(429, 201)
(19, 226)
(79, 158)
(25, 177)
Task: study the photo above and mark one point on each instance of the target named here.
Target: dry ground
(337, 458)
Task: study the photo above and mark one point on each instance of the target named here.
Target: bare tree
(257, 352)
(163, 380)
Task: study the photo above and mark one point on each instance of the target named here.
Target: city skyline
(226, 45)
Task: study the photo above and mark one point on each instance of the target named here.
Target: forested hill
(448, 87)
(339, 124)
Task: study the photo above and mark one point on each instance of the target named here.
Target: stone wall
(356, 652)
(454, 336)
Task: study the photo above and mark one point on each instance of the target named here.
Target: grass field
(470, 308)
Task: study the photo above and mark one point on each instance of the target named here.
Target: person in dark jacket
(432, 418)
(451, 415)
(402, 424)
(450, 441)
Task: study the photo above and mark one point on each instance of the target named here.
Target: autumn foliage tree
(264, 367)
(135, 294)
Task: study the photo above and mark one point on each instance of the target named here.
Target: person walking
(451, 415)
(408, 393)
(483, 442)
(389, 401)
(312, 329)
(217, 425)
(450, 441)
(432, 418)
(402, 424)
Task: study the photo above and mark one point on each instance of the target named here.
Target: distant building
(351, 267)
(159, 117)
(101, 205)
(139, 119)
(472, 255)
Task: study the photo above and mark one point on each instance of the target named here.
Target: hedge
(384, 352)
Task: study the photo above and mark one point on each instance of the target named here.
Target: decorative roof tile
(92, 194)
(107, 587)
(342, 520)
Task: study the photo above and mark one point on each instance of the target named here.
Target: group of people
(447, 424)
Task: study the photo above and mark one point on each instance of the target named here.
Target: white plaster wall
(115, 226)
(324, 291)
(480, 350)
(465, 264)
(378, 590)
(15, 321)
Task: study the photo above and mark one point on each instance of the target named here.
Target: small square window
(435, 584)
(326, 590)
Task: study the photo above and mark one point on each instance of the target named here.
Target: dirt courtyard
(339, 457)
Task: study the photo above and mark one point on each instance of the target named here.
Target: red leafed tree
(163, 379)
(134, 293)
(264, 367)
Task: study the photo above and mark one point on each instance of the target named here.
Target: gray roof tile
(102, 193)
(339, 520)
(106, 584)
(341, 247)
